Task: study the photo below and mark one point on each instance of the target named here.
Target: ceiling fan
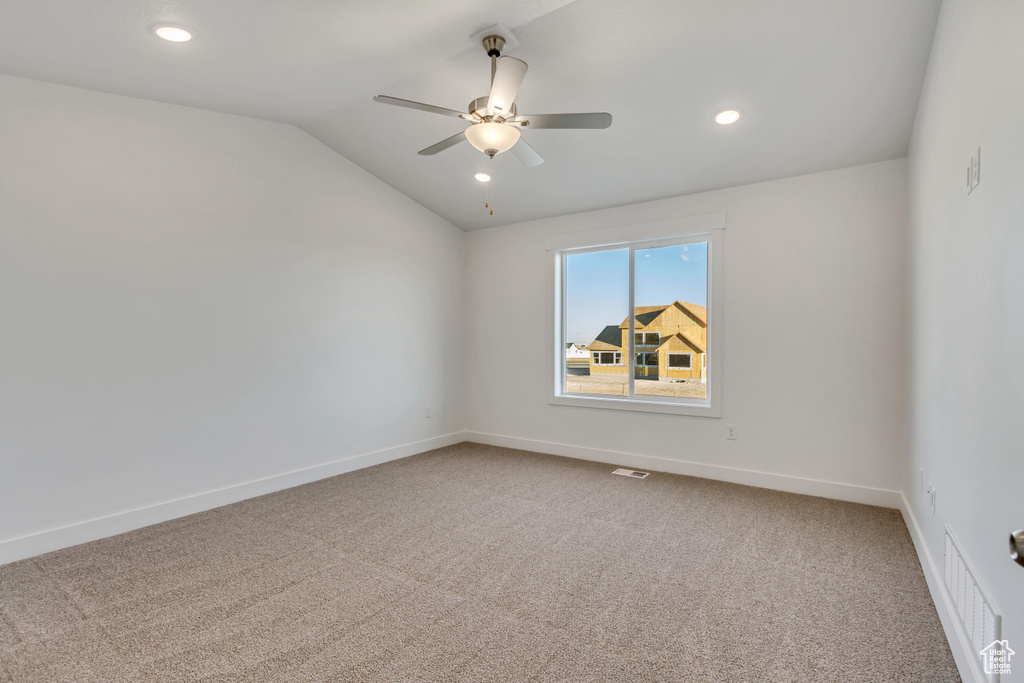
(494, 121)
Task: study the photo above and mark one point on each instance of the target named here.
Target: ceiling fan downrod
(494, 45)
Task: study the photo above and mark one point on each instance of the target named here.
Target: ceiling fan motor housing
(479, 108)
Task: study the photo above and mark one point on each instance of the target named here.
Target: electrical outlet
(426, 412)
(730, 432)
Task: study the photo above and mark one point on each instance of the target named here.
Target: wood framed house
(670, 343)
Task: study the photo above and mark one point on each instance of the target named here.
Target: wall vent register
(975, 612)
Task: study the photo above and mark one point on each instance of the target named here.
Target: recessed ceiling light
(175, 34)
(728, 116)
(483, 177)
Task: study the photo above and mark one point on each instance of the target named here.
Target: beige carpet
(474, 563)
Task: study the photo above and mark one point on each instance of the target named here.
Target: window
(647, 338)
(647, 359)
(643, 307)
(679, 360)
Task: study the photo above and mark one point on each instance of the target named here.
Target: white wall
(967, 296)
(813, 332)
(191, 301)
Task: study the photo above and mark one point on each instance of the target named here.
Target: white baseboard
(30, 545)
(766, 480)
(967, 661)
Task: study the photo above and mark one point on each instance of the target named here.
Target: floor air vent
(630, 473)
(978, 618)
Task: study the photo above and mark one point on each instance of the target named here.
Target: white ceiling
(821, 84)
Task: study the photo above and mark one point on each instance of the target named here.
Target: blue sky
(597, 284)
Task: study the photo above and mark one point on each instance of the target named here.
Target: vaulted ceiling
(820, 85)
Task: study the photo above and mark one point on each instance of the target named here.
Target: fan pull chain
(490, 188)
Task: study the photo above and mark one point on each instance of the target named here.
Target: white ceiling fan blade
(398, 102)
(526, 154)
(590, 120)
(444, 144)
(508, 76)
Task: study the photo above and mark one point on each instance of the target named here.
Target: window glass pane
(671, 293)
(596, 305)
(679, 360)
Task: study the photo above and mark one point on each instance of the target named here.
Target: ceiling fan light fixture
(727, 117)
(492, 138)
(483, 177)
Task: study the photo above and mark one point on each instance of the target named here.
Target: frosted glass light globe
(492, 136)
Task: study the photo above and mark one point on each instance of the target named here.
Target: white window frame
(679, 353)
(684, 230)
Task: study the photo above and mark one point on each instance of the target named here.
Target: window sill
(636, 405)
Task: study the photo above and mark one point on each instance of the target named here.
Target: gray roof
(646, 318)
(611, 335)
